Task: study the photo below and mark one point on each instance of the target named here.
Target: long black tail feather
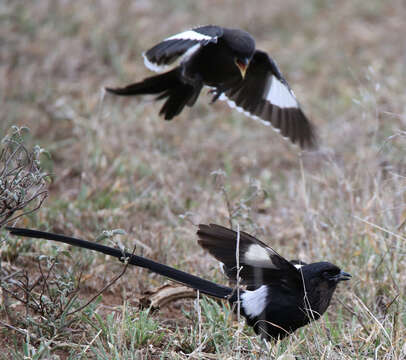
(195, 282)
(167, 85)
(151, 85)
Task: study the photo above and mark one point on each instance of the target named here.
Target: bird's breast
(215, 65)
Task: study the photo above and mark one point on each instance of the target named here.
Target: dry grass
(117, 165)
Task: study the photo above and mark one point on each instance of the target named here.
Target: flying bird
(226, 61)
(279, 296)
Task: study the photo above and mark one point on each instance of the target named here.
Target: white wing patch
(161, 68)
(189, 35)
(189, 52)
(280, 95)
(153, 66)
(254, 302)
(258, 256)
(298, 266)
(233, 105)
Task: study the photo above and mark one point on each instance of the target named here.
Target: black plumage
(280, 296)
(225, 60)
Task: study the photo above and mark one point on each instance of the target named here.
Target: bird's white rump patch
(280, 95)
(298, 266)
(258, 256)
(254, 302)
(189, 35)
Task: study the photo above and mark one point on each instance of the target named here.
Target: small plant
(128, 335)
(51, 295)
(23, 184)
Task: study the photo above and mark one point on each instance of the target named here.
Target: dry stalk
(23, 184)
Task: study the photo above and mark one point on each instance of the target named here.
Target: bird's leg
(197, 85)
(195, 80)
(223, 87)
(217, 91)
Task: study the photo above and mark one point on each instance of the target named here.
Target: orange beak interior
(242, 66)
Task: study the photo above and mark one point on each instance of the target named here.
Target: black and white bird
(226, 61)
(280, 296)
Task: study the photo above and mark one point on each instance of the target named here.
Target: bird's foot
(216, 92)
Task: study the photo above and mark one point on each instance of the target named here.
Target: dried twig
(237, 258)
(104, 288)
(352, 312)
(166, 294)
(229, 208)
(23, 184)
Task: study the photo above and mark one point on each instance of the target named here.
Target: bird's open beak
(342, 276)
(242, 65)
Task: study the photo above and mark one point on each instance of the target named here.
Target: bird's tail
(167, 85)
(197, 283)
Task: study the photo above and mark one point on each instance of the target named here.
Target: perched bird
(226, 61)
(280, 296)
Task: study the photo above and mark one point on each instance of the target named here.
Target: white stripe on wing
(189, 35)
(280, 95)
(154, 66)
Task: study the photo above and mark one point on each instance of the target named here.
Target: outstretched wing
(265, 95)
(259, 264)
(181, 45)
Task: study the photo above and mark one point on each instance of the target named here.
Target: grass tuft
(116, 165)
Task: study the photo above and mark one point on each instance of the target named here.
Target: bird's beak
(342, 276)
(242, 65)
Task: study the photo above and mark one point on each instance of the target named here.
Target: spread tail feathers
(204, 286)
(167, 85)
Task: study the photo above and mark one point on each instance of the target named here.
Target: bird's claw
(216, 92)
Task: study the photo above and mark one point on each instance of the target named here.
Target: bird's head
(324, 273)
(320, 281)
(242, 45)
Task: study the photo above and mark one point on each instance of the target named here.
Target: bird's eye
(330, 275)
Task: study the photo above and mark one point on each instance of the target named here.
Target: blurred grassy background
(115, 164)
